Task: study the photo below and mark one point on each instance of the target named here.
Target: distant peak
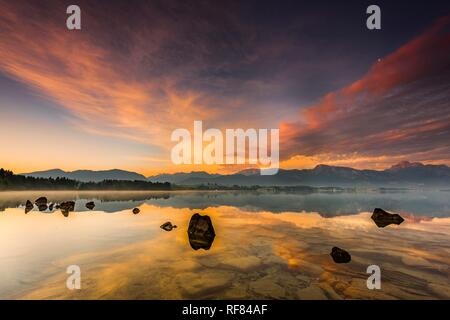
(56, 170)
(320, 166)
(250, 172)
(53, 171)
(323, 167)
(405, 165)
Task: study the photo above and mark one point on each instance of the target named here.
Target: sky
(110, 95)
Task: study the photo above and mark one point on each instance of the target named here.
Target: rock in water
(28, 206)
(201, 232)
(42, 207)
(90, 205)
(383, 218)
(168, 226)
(340, 255)
(136, 210)
(41, 201)
(66, 207)
(50, 206)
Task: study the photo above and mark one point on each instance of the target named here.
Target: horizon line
(424, 163)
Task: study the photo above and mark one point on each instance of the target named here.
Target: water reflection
(256, 255)
(428, 203)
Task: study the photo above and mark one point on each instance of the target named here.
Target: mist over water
(431, 203)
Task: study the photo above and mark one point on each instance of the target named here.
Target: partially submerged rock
(28, 206)
(168, 226)
(41, 201)
(50, 206)
(383, 218)
(340, 255)
(67, 207)
(136, 210)
(42, 207)
(201, 232)
(90, 205)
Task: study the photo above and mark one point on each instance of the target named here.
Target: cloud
(399, 109)
(138, 72)
(124, 84)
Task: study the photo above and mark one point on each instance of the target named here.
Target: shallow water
(267, 245)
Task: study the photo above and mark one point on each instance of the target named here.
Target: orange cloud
(88, 80)
(139, 80)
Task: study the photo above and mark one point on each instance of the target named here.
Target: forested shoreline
(11, 181)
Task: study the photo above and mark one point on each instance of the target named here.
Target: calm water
(267, 246)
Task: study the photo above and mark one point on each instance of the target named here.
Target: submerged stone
(168, 226)
(66, 207)
(201, 232)
(340, 255)
(90, 205)
(41, 201)
(28, 206)
(136, 210)
(383, 218)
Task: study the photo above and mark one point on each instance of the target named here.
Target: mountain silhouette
(404, 174)
(88, 175)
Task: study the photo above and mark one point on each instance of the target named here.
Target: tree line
(11, 181)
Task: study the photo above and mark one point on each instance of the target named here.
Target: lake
(267, 245)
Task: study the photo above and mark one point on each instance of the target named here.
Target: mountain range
(403, 174)
(88, 175)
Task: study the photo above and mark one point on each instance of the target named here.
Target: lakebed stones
(383, 218)
(90, 205)
(313, 292)
(201, 232)
(197, 285)
(136, 210)
(268, 287)
(340, 255)
(168, 226)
